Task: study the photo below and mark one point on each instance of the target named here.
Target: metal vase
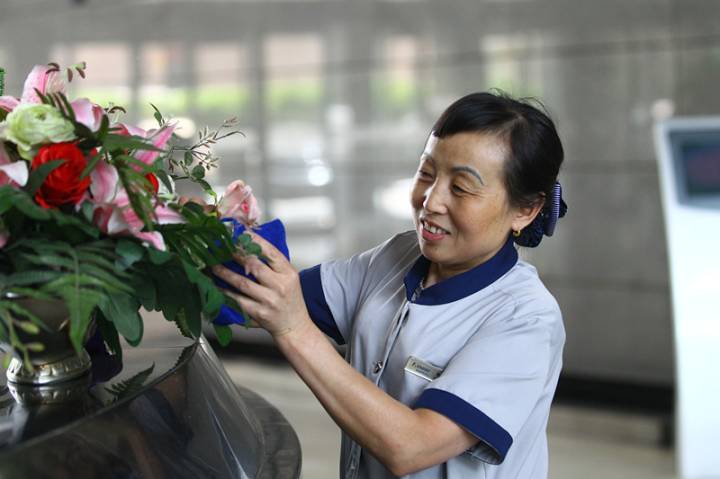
(58, 362)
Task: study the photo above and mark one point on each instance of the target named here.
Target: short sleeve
(331, 292)
(493, 384)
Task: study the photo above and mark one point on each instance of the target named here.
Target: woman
(454, 346)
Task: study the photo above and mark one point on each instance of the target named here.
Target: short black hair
(535, 152)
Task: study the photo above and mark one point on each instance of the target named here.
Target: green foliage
(224, 334)
(83, 276)
(198, 158)
(61, 253)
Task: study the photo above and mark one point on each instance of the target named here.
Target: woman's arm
(403, 439)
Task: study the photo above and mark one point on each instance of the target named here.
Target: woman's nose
(434, 200)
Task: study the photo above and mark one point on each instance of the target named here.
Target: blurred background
(335, 99)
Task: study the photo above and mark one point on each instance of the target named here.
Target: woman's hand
(275, 302)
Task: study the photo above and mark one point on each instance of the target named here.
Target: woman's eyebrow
(470, 170)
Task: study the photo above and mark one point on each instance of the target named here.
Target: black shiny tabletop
(167, 410)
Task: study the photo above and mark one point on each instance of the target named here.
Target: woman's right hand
(275, 302)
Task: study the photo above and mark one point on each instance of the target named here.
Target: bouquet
(89, 215)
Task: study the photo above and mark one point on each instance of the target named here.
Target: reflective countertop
(168, 410)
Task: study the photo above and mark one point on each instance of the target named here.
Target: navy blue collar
(463, 284)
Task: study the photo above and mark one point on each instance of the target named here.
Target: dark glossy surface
(171, 411)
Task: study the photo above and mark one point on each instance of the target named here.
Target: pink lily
(239, 203)
(88, 113)
(159, 137)
(13, 173)
(40, 78)
(113, 213)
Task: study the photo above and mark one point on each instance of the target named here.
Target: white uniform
(483, 348)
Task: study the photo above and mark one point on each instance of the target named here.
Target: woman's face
(460, 204)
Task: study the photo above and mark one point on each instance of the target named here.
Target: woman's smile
(432, 232)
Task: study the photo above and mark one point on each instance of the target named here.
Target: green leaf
(171, 286)
(145, 291)
(75, 280)
(165, 179)
(87, 209)
(38, 175)
(192, 208)
(188, 158)
(244, 239)
(50, 259)
(130, 252)
(253, 249)
(95, 258)
(92, 163)
(80, 303)
(206, 187)
(210, 296)
(27, 206)
(114, 142)
(63, 219)
(7, 193)
(122, 311)
(159, 257)
(223, 333)
(198, 172)
(182, 324)
(112, 282)
(66, 107)
(157, 115)
(104, 128)
(31, 277)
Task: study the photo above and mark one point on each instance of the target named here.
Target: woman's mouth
(432, 232)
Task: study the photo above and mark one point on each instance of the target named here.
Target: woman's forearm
(402, 439)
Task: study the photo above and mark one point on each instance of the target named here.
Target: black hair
(535, 152)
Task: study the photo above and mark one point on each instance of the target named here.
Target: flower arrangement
(89, 215)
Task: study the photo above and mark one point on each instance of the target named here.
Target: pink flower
(8, 103)
(113, 213)
(13, 173)
(40, 78)
(88, 113)
(159, 137)
(239, 203)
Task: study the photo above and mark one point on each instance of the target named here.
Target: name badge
(422, 369)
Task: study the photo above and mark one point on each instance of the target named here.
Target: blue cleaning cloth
(274, 232)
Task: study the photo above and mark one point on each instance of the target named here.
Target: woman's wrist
(293, 333)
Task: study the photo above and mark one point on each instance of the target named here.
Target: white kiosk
(689, 159)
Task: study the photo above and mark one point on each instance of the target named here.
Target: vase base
(49, 373)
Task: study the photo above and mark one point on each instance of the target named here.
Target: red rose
(63, 185)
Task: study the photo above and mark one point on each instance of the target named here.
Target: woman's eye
(424, 174)
(458, 189)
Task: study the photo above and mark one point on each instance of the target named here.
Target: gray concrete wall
(350, 88)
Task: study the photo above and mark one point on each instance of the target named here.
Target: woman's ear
(525, 215)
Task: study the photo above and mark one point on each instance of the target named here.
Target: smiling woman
(454, 345)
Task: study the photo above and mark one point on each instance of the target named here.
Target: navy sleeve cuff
(470, 418)
(317, 306)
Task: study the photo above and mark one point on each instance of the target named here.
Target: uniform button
(378, 367)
